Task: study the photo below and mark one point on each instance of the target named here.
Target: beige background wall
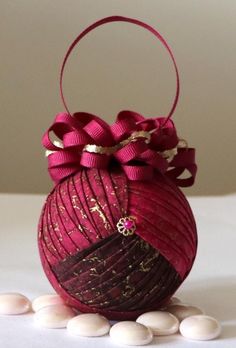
(117, 67)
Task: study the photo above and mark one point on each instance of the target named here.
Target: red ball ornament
(116, 234)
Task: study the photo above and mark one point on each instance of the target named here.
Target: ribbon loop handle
(121, 19)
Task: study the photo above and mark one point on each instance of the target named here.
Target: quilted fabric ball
(91, 260)
(116, 234)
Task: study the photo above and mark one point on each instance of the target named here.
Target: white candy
(14, 303)
(46, 300)
(54, 317)
(131, 333)
(89, 325)
(161, 323)
(200, 327)
(182, 311)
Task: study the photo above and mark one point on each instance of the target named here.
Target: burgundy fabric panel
(82, 210)
(164, 220)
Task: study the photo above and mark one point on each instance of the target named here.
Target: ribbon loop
(132, 21)
(94, 160)
(126, 121)
(89, 142)
(76, 138)
(130, 151)
(141, 146)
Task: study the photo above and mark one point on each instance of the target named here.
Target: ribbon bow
(139, 145)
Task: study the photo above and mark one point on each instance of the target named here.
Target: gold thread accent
(170, 154)
(56, 143)
(97, 208)
(109, 150)
(182, 143)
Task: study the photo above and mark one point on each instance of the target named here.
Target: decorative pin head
(126, 225)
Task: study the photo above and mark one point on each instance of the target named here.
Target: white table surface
(211, 284)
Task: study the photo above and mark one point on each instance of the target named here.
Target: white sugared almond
(182, 311)
(46, 300)
(161, 323)
(200, 327)
(54, 317)
(131, 333)
(89, 325)
(14, 304)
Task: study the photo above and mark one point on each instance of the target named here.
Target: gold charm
(126, 226)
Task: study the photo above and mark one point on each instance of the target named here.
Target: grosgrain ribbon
(132, 21)
(139, 145)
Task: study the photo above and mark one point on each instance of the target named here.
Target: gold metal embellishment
(126, 226)
(109, 150)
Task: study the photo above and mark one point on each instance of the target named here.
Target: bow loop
(139, 145)
(131, 151)
(96, 128)
(94, 160)
(126, 122)
(77, 138)
(155, 160)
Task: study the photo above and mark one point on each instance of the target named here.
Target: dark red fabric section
(118, 273)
